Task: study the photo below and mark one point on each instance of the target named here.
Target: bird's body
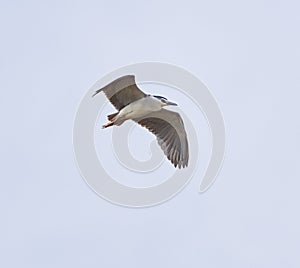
(138, 109)
(148, 111)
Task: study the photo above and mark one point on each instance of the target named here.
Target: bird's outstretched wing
(122, 91)
(170, 133)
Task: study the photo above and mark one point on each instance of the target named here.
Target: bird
(147, 110)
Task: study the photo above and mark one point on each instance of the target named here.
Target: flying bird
(147, 110)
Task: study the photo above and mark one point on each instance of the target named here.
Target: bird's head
(164, 101)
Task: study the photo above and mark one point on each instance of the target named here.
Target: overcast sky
(246, 52)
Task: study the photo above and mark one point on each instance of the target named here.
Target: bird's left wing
(122, 91)
(170, 133)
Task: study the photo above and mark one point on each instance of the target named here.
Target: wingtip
(180, 165)
(95, 93)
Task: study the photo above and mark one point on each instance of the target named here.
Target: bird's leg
(110, 123)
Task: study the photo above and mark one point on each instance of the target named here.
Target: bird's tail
(112, 116)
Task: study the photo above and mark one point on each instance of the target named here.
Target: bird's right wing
(170, 133)
(122, 91)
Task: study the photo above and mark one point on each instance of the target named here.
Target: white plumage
(148, 111)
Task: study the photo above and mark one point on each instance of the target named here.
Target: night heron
(147, 110)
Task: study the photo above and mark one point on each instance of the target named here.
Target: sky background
(246, 52)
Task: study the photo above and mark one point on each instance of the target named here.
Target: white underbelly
(139, 108)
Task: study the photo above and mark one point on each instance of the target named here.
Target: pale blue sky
(246, 52)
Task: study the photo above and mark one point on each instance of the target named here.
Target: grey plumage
(122, 91)
(146, 110)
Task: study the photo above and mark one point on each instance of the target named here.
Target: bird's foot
(108, 124)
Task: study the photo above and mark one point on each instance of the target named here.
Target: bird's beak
(171, 103)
